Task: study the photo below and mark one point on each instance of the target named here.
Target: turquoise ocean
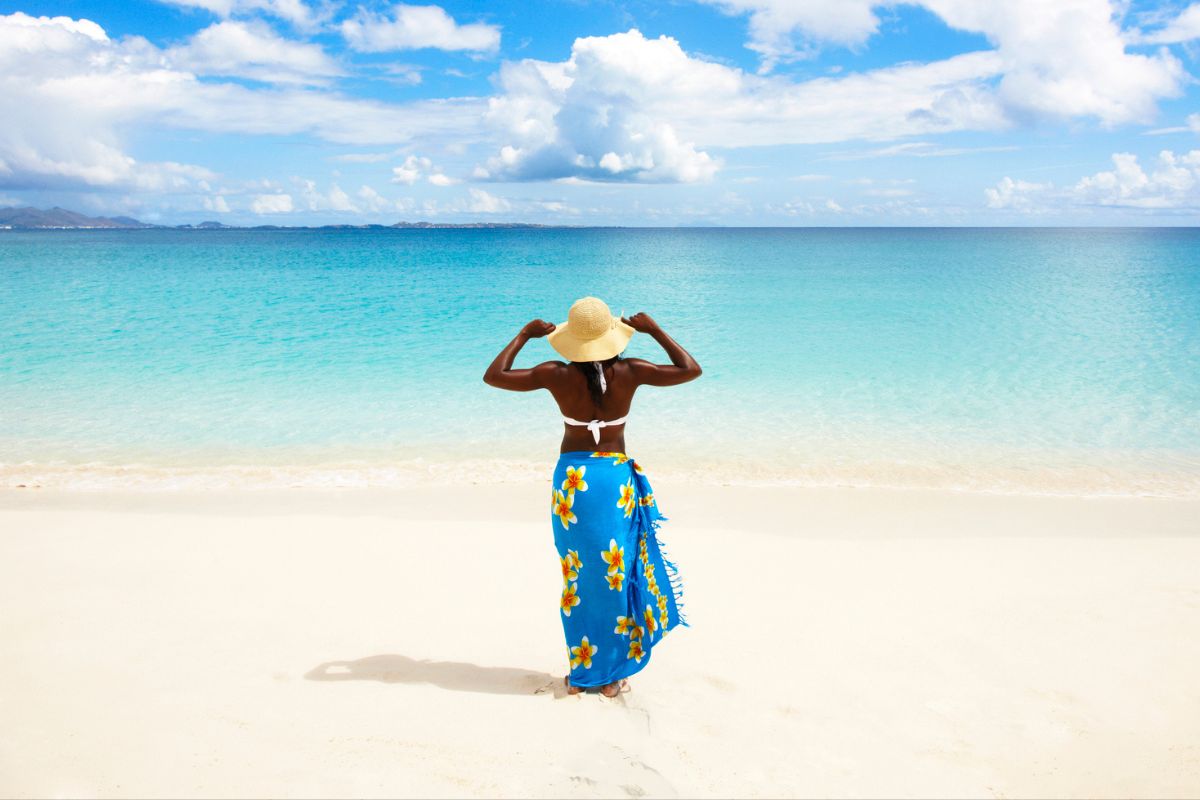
(1061, 361)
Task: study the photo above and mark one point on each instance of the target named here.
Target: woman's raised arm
(501, 374)
(683, 367)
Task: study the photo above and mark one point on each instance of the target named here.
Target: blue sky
(716, 112)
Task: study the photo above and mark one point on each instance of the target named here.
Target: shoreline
(893, 511)
(1092, 482)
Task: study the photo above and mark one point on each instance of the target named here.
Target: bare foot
(571, 689)
(613, 689)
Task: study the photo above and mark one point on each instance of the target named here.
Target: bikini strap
(595, 425)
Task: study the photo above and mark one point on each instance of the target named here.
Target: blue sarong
(620, 595)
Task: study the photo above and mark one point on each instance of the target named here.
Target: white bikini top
(596, 424)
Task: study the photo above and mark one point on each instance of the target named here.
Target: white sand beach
(843, 643)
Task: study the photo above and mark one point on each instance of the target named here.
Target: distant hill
(471, 225)
(62, 218)
(29, 218)
(205, 226)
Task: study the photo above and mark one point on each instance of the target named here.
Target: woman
(603, 510)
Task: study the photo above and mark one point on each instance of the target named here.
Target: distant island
(29, 218)
(61, 218)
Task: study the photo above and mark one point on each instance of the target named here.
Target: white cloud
(362, 158)
(296, 12)
(316, 200)
(410, 171)
(253, 50)
(1067, 58)
(1064, 58)
(68, 93)
(373, 200)
(830, 210)
(1183, 28)
(415, 27)
(915, 150)
(400, 74)
(628, 108)
(556, 207)
(47, 142)
(483, 203)
(774, 23)
(804, 208)
(272, 204)
(416, 167)
(593, 116)
(54, 34)
(476, 201)
(1191, 124)
(1173, 183)
(339, 200)
(1013, 194)
(216, 203)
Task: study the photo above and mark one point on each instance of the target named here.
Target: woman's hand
(641, 322)
(538, 328)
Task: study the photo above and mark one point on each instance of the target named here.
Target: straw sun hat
(591, 332)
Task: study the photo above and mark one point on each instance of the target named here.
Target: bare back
(570, 388)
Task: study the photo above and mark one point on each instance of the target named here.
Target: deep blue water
(1064, 359)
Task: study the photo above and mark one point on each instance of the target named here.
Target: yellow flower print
(574, 556)
(651, 622)
(625, 626)
(662, 604)
(618, 458)
(649, 572)
(616, 580)
(574, 480)
(614, 556)
(635, 650)
(583, 654)
(568, 569)
(648, 500)
(570, 598)
(562, 508)
(636, 632)
(636, 468)
(662, 617)
(627, 500)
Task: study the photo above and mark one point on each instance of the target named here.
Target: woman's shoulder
(551, 370)
(552, 366)
(634, 365)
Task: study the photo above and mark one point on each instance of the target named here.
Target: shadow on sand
(454, 675)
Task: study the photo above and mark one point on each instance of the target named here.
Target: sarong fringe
(672, 571)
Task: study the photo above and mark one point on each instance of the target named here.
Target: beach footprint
(611, 772)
